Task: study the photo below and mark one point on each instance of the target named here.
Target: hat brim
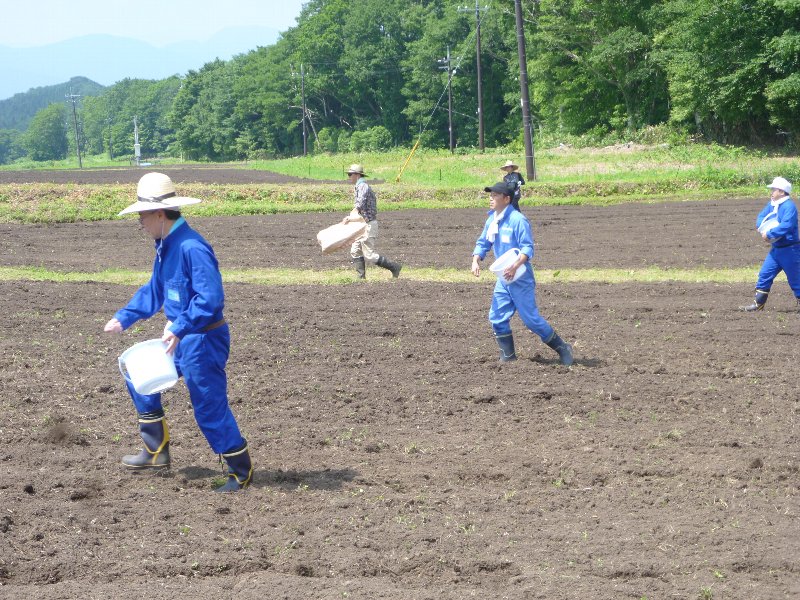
(357, 173)
(169, 204)
(498, 190)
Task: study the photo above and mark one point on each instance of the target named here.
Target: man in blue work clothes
(777, 225)
(187, 284)
(505, 229)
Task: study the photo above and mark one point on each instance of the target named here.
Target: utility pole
(478, 10)
(303, 94)
(110, 122)
(137, 149)
(450, 73)
(530, 161)
(74, 99)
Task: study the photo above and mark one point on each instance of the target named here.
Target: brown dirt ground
(395, 458)
(713, 234)
(220, 174)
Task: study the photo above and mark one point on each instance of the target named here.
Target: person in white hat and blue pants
(186, 283)
(777, 225)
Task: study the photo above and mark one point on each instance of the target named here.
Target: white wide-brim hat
(779, 183)
(157, 192)
(510, 164)
(356, 168)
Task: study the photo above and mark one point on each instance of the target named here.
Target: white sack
(341, 234)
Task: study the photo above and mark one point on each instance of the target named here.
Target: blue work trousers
(786, 259)
(200, 359)
(519, 296)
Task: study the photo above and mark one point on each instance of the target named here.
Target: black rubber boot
(506, 343)
(361, 267)
(240, 470)
(759, 301)
(563, 348)
(155, 435)
(391, 266)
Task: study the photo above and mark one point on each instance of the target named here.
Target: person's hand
(171, 340)
(509, 273)
(476, 266)
(346, 220)
(113, 326)
(765, 238)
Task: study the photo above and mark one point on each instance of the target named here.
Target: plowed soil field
(395, 458)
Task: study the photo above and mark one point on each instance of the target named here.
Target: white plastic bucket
(148, 367)
(768, 225)
(505, 260)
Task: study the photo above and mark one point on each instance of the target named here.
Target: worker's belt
(213, 326)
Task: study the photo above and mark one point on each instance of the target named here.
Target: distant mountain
(16, 112)
(108, 59)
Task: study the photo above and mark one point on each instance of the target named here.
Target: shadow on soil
(327, 479)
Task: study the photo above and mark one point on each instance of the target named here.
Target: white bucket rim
(160, 381)
(502, 262)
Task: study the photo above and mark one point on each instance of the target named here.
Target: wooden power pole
(530, 162)
(478, 10)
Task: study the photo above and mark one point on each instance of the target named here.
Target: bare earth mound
(395, 458)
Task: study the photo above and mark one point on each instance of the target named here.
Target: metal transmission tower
(478, 10)
(530, 161)
(445, 62)
(74, 99)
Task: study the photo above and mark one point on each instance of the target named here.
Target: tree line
(370, 74)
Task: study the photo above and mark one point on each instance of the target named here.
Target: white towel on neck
(775, 204)
(494, 226)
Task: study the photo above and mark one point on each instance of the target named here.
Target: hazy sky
(37, 22)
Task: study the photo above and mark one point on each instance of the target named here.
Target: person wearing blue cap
(777, 225)
(507, 229)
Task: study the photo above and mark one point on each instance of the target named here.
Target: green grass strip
(281, 276)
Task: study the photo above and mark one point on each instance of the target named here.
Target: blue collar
(176, 224)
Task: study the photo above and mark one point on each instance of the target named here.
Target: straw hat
(509, 164)
(779, 183)
(356, 168)
(157, 192)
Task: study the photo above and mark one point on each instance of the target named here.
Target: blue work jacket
(186, 282)
(514, 231)
(786, 233)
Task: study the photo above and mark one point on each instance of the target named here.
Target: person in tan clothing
(364, 249)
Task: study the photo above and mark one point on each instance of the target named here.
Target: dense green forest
(372, 76)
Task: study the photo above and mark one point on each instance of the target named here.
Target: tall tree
(732, 65)
(594, 67)
(203, 112)
(783, 90)
(10, 148)
(46, 137)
